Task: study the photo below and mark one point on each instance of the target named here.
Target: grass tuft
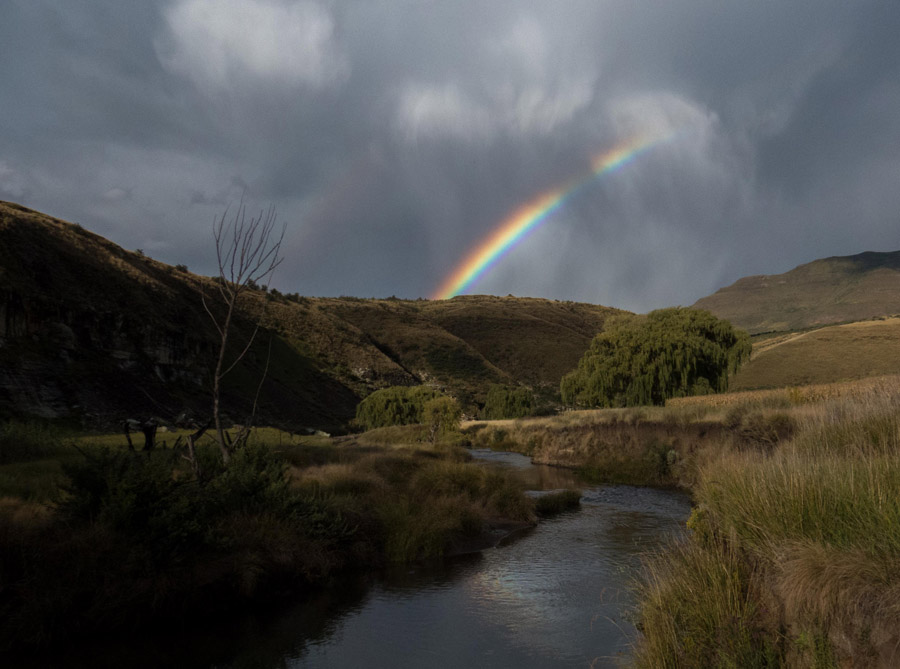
(554, 503)
(698, 610)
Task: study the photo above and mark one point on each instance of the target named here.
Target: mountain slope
(825, 355)
(833, 290)
(92, 332)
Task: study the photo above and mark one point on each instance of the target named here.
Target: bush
(397, 405)
(135, 496)
(642, 360)
(505, 402)
(442, 415)
(140, 497)
(557, 502)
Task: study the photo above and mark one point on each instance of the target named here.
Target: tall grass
(850, 503)
(421, 502)
(37, 480)
(815, 522)
(698, 610)
(633, 446)
(26, 441)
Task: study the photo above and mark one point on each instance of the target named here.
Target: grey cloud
(393, 135)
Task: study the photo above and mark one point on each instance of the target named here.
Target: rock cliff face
(88, 361)
(93, 333)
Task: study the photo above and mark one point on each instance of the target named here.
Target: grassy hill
(93, 332)
(825, 355)
(822, 292)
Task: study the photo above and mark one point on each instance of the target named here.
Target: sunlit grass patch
(795, 496)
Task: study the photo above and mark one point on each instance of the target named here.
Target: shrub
(506, 402)
(557, 502)
(255, 480)
(397, 405)
(135, 496)
(138, 496)
(647, 359)
(442, 416)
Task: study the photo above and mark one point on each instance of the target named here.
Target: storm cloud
(393, 135)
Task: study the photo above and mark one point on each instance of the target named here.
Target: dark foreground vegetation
(101, 538)
(794, 540)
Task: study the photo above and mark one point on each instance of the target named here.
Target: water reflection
(555, 596)
(535, 477)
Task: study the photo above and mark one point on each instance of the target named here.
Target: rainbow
(530, 216)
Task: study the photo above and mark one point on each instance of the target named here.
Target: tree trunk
(217, 379)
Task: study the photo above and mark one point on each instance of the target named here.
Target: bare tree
(248, 251)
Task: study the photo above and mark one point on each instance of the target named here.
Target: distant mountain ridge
(832, 290)
(93, 332)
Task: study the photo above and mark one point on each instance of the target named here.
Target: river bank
(796, 526)
(131, 539)
(555, 594)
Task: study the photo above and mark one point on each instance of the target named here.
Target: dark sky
(393, 135)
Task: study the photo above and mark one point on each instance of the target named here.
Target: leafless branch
(244, 352)
(248, 250)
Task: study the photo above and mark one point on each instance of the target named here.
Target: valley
(92, 335)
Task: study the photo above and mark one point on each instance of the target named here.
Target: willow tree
(641, 360)
(395, 405)
(506, 402)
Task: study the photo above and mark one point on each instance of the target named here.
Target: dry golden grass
(829, 354)
(847, 590)
(816, 519)
(698, 610)
(792, 395)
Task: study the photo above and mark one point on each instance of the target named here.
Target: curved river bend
(553, 596)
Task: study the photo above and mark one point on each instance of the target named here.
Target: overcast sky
(393, 135)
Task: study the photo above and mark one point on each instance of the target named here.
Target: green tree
(647, 359)
(396, 405)
(442, 416)
(506, 402)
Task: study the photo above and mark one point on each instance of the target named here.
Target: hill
(832, 290)
(825, 355)
(96, 333)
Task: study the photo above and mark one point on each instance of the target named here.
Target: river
(553, 596)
